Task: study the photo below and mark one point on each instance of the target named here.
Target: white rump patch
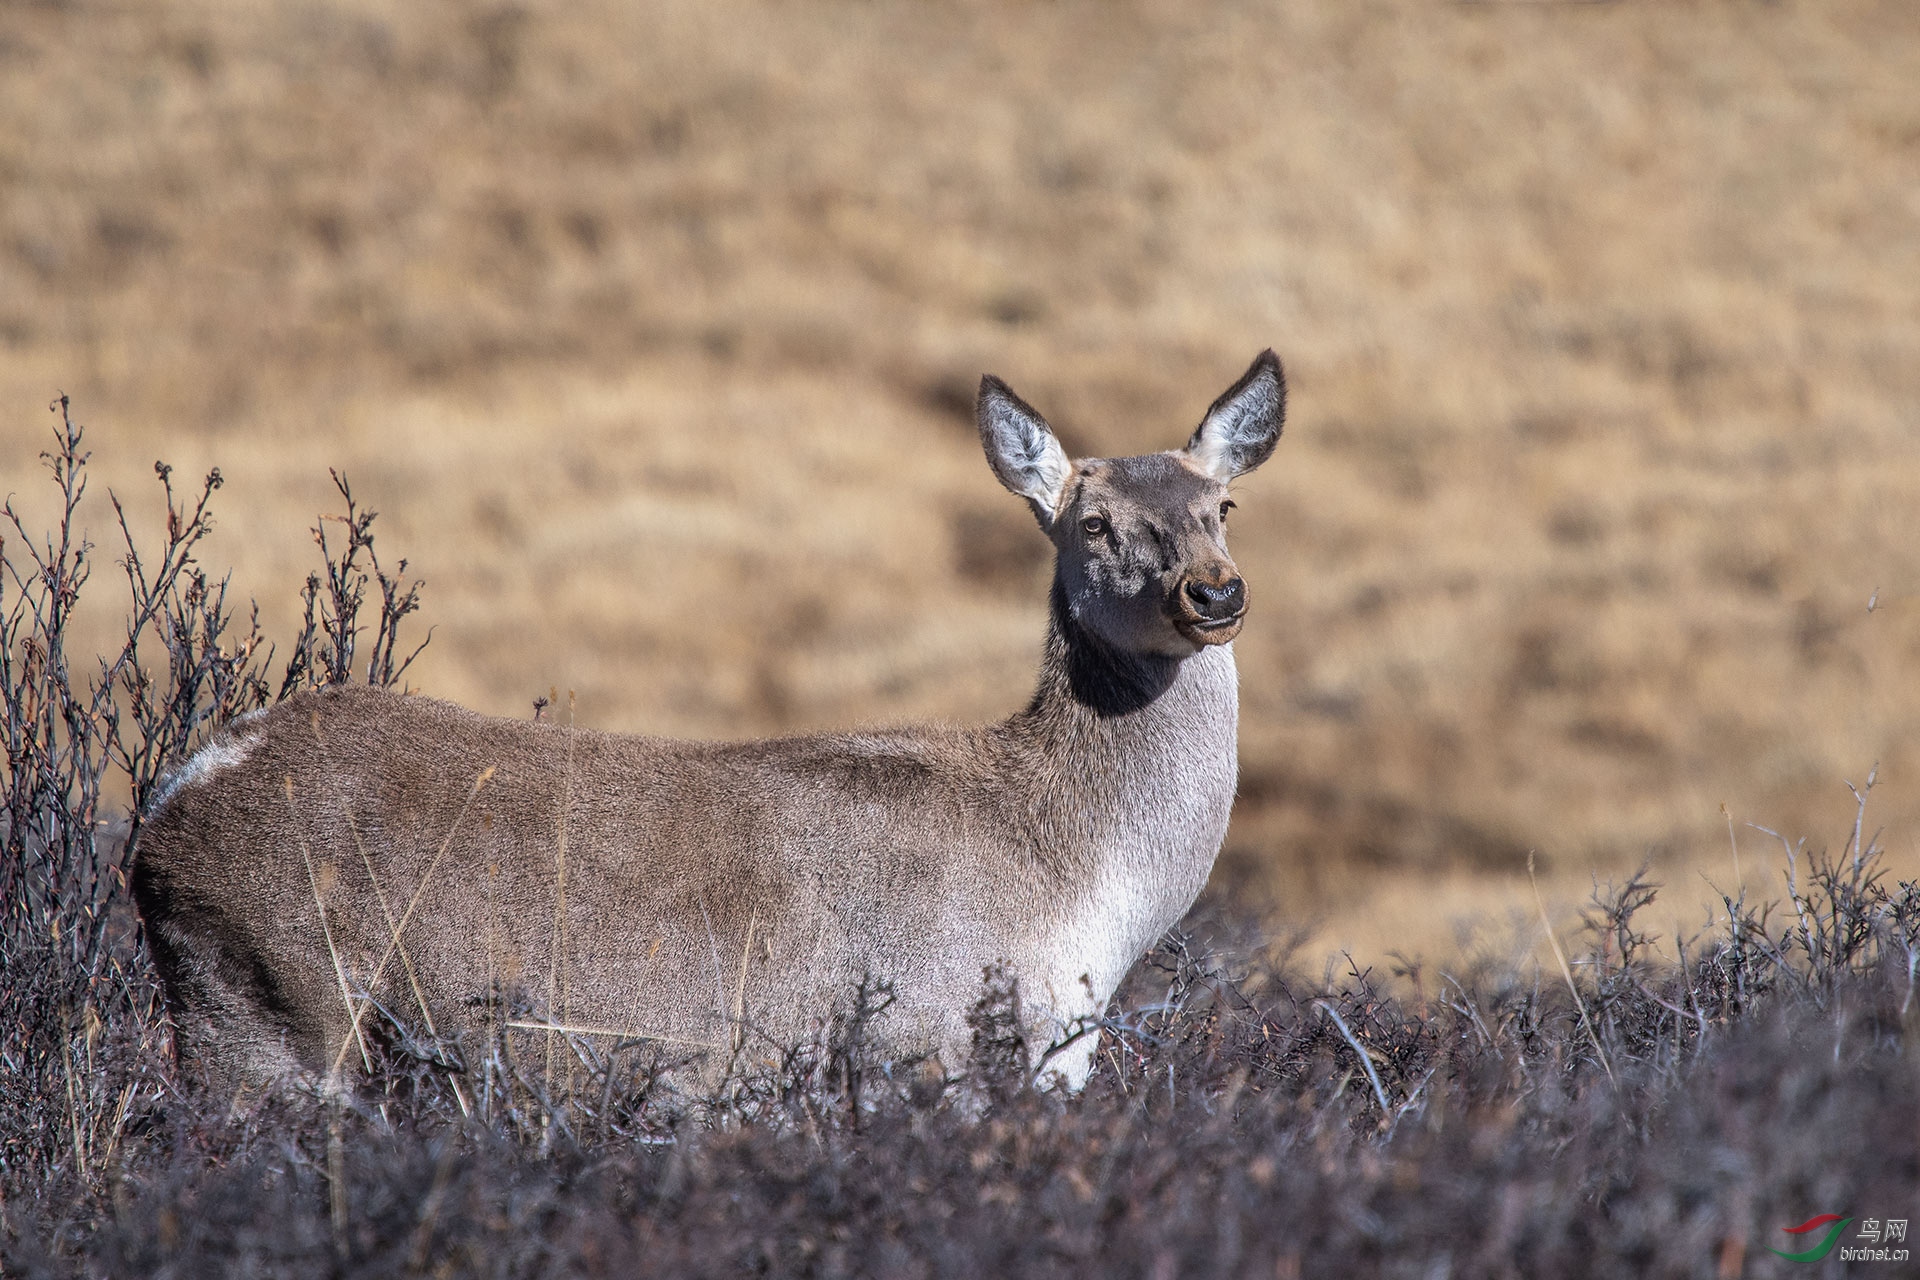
(203, 764)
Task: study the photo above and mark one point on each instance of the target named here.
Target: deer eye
(1094, 525)
(1225, 507)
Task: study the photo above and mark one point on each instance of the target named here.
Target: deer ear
(1021, 448)
(1243, 426)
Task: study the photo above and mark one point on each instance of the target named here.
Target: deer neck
(1133, 782)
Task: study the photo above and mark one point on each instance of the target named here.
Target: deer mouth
(1206, 631)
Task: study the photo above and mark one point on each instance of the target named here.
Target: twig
(1373, 1077)
(1793, 891)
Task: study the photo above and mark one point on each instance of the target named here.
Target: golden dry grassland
(651, 330)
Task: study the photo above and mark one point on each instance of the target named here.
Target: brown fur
(720, 898)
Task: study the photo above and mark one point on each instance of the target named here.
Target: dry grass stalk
(353, 1035)
(430, 1211)
(336, 1176)
(379, 969)
(1566, 972)
(557, 1001)
(406, 962)
(619, 1033)
(740, 988)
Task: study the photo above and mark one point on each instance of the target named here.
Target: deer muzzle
(1209, 610)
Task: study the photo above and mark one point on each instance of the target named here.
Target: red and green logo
(1825, 1246)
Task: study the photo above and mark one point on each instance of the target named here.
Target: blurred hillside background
(652, 330)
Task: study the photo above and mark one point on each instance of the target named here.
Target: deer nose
(1218, 602)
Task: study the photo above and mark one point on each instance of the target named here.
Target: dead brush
(1245, 1116)
(83, 1031)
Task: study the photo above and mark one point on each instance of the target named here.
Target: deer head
(1141, 542)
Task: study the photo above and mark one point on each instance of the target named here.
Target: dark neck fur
(1094, 675)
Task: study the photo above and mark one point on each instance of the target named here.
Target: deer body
(726, 899)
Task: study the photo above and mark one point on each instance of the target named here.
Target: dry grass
(649, 330)
(1663, 1117)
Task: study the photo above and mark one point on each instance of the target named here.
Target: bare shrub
(83, 1034)
(1649, 1115)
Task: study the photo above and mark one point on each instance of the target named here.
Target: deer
(354, 844)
